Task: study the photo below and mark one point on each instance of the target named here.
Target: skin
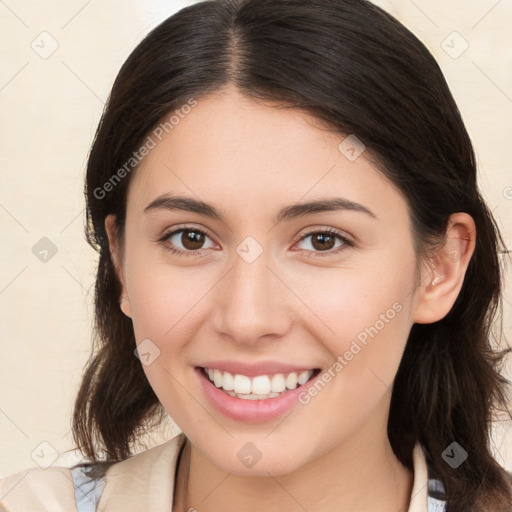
(291, 304)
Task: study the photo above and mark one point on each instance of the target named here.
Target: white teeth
(252, 396)
(228, 382)
(278, 383)
(242, 384)
(291, 380)
(261, 385)
(257, 388)
(217, 378)
(303, 378)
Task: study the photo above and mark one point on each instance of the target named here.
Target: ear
(442, 279)
(116, 256)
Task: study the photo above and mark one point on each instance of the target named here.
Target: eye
(324, 240)
(191, 240)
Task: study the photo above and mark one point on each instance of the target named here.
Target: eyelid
(324, 229)
(183, 227)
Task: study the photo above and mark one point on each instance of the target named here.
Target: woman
(284, 199)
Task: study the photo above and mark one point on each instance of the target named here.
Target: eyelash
(346, 242)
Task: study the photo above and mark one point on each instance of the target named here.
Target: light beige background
(50, 105)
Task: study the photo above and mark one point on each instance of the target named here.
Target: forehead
(249, 155)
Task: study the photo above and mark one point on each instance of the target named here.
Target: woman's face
(266, 285)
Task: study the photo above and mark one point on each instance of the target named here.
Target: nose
(254, 303)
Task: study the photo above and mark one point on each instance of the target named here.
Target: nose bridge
(252, 305)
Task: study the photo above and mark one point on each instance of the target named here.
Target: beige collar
(419, 494)
(146, 481)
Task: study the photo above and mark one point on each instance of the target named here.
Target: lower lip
(252, 411)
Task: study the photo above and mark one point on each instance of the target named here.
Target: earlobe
(124, 304)
(443, 278)
(115, 254)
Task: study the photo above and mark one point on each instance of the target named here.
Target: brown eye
(325, 241)
(186, 241)
(192, 240)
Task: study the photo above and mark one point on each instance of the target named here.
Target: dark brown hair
(358, 70)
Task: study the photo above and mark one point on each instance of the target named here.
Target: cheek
(165, 304)
(371, 333)
(353, 302)
(362, 316)
(164, 299)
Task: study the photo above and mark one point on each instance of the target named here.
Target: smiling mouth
(261, 387)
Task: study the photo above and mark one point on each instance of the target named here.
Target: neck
(344, 479)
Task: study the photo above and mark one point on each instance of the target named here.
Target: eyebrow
(188, 204)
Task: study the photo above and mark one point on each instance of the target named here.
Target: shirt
(142, 483)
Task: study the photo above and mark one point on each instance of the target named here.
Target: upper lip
(254, 369)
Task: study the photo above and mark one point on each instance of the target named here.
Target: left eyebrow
(325, 205)
(292, 211)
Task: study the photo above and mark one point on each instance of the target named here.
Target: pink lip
(253, 370)
(251, 411)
